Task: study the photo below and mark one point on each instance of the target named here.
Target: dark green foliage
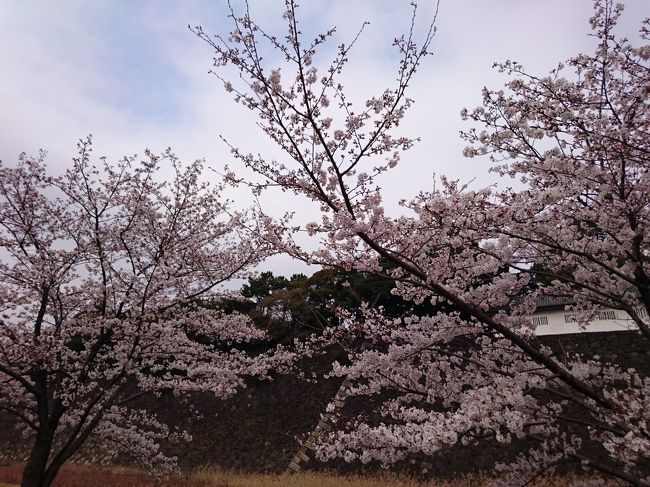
(299, 306)
(260, 287)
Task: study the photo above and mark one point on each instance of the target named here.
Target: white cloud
(133, 75)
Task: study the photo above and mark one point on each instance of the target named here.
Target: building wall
(562, 322)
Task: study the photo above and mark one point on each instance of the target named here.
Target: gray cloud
(133, 75)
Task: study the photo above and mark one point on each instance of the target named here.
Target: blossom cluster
(472, 370)
(101, 272)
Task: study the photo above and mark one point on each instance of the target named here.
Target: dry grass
(84, 476)
(311, 479)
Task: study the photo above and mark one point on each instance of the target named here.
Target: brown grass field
(87, 476)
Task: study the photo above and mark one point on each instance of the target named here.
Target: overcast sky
(133, 75)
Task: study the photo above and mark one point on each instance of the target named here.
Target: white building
(551, 318)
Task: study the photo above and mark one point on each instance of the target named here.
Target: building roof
(545, 301)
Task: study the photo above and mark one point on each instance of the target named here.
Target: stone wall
(260, 428)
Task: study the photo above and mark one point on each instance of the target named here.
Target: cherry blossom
(474, 370)
(101, 273)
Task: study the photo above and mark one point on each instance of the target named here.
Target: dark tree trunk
(51, 473)
(34, 473)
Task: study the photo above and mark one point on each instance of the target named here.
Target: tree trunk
(34, 473)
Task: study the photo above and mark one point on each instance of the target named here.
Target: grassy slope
(84, 476)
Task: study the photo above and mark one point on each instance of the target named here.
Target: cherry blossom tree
(473, 371)
(101, 271)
